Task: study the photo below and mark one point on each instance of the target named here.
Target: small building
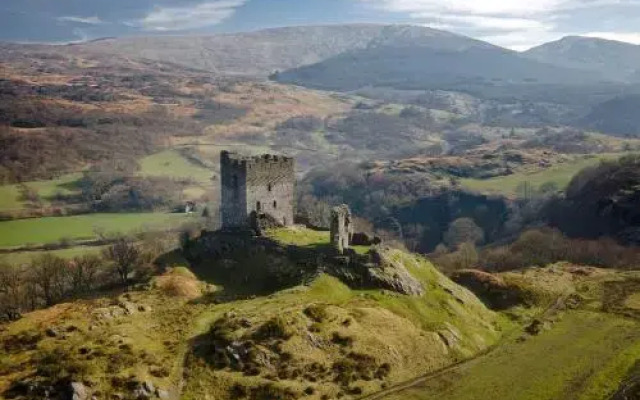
(255, 186)
(341, 228)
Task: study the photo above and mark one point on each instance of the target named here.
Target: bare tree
(11, 293)
(50, 276)
(125, 257)
(84, 273)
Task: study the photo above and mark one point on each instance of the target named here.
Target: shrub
(317, 312)
(341, 340)
(541, 247)
(275, 328)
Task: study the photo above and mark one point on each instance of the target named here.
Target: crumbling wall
(341, 228)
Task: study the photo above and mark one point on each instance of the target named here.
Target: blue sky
(515, 24)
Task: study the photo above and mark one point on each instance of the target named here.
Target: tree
(84, 273)
(50, 276)
(11, 293)
(463, 230)
(125, 257)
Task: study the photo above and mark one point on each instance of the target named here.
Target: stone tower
(341, 227)
(259, 186)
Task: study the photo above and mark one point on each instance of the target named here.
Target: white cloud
(82, 20)
(189, 17)
(474, 7)
(520, 24)
(629, 37)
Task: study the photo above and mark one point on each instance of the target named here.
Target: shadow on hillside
(245, 266)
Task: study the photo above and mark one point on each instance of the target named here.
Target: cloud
(188, 17)
(82, 20)
(521, 24)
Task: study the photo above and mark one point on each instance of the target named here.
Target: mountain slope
(409, 58)
(614, 60)
(254, 53)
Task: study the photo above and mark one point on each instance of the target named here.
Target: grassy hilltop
(354, 341)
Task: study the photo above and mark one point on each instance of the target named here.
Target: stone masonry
(256, 186)
(341, 228)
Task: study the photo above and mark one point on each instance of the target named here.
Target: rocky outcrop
(392, 275)
(491, 289)
(290, 265)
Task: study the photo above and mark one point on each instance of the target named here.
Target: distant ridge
(612, 59)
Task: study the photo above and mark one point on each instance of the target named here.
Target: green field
(560, 175)
(10, 198)
(172, 164)
(583, 356)
(52, 229)
(46, 190)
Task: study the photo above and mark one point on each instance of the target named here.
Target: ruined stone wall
(341, 228)
(264, 184)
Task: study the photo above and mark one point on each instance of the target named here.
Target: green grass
(560, 175)
(583, 356)
(299, 236)
(52, 229)
(410, 324)
(171, 163)
(307, 238)
(64, 185)
(10, 198)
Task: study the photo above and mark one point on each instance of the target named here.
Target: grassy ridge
(584, 356)
(560, 175)
(410, 324)
(52, 229)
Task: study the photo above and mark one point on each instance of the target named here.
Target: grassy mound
(329, 341)
(322, 340)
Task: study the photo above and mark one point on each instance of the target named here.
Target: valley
(494, 197)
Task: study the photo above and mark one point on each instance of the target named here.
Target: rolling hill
(614, 60)
(255, 54)
(408, 57)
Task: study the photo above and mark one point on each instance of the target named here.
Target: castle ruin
(341, 228)
(256, 186)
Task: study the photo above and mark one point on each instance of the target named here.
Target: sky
(514, 24)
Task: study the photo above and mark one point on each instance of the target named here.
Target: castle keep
(256, 186)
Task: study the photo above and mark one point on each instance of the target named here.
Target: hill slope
(420, 58)
(311, 340)
(250, 54)
(615, 60)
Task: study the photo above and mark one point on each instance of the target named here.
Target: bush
(275, 328)
(466, 257)
(317, 313)
(540, 247)
(463, 230)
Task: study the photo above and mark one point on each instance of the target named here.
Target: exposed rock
(128, 307)
(162, 394)
(394, 276)
(491, 289)
(79, 391)
(107, 313)
(144, 308)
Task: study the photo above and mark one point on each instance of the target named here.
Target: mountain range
(344, 57)
(348, 56)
